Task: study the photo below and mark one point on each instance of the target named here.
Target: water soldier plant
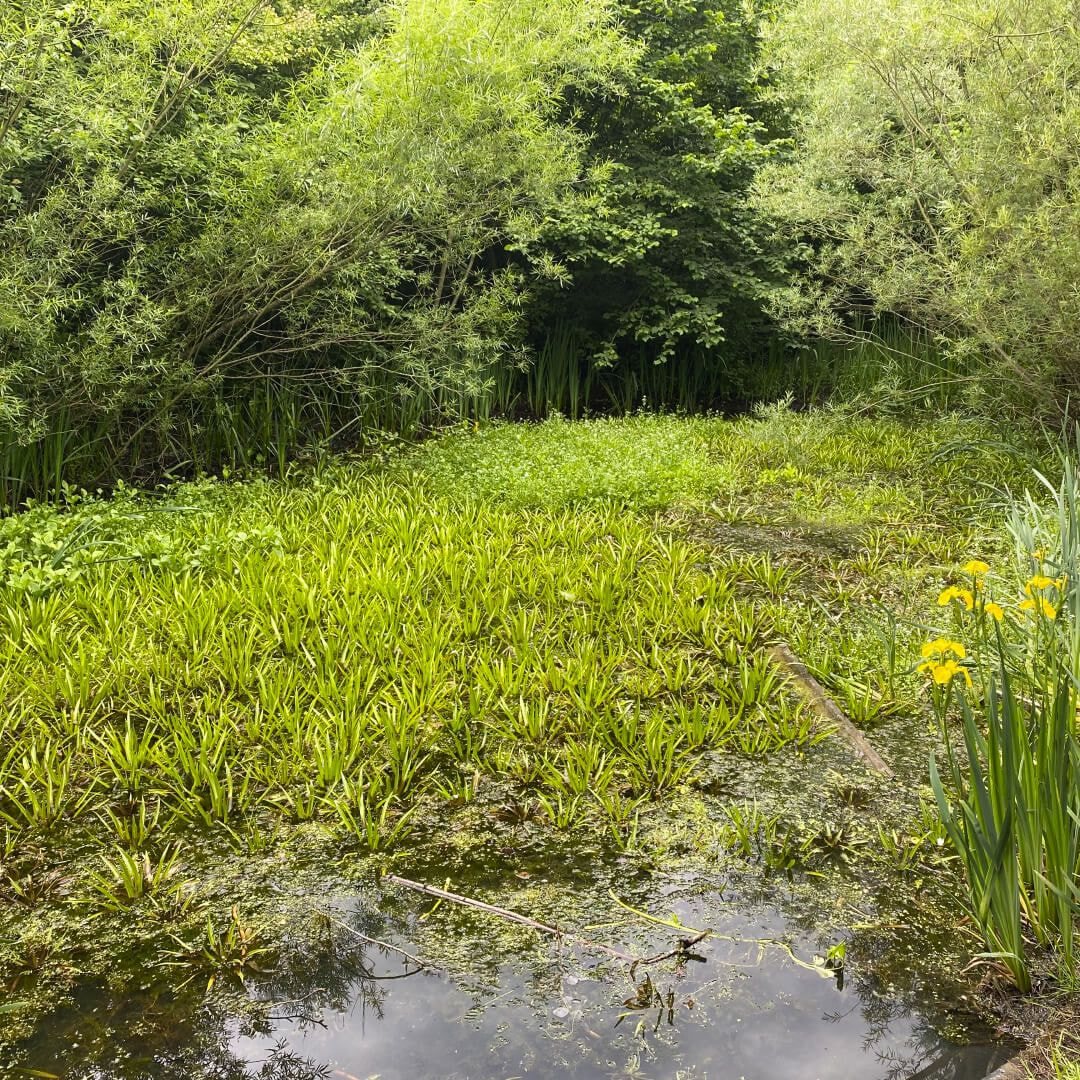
(408, 646)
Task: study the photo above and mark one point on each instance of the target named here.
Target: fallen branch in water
(683, 947)
(510, 916)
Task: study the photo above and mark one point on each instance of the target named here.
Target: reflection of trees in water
(948, 1063)
(208, 1057)
(179, 1037)
(283, 1064)
(138, 1038)
(925, 1055)
(884, 1014)
(322, 968)
(330, 970)
(327, 970)
(896, 975)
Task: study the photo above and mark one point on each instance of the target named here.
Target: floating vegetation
(393, 645)
(397, 667)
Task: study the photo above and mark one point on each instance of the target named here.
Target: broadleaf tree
(667, 264)
(936, 180)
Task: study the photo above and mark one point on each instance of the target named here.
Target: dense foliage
(200, 194)
(233, 228)
(670, 267)
(936, 177)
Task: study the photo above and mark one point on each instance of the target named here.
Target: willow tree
(202, 192)
(936, 178)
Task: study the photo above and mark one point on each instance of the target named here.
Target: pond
(499, 1001)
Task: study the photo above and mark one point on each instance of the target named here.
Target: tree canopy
(936, 177)
(203, 192)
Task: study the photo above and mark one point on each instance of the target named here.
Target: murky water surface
(748, 1003)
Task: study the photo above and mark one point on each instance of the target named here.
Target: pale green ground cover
(576, 607)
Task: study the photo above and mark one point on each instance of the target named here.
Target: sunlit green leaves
(208, 194)
(388, 646)
(934, 180)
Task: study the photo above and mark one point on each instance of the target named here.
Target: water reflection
(336, 1006)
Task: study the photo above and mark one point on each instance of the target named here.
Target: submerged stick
(813, 693)
(506, 913)
(322, 913)
(370, 940)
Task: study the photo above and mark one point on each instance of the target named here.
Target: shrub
(936, 179)
(668, 267)
(200, 199)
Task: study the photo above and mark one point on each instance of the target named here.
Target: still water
(749, 1002)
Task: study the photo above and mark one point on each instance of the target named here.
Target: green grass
(831, 464)
(1066, 1068)
(882, 368)
(642, 462)
(1057, 1061)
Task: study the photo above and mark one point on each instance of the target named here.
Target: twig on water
(370, 940)
(524, 920)
(683, 947)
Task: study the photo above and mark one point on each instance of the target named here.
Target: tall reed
(884, 364)
(266, 422)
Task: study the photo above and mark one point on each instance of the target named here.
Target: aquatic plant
(237, 950)
(338, 673)
(1013, 811)
(127, 878)
(522, 628)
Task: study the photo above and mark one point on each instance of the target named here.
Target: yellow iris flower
(965, 596)
(976, 567)
(941, 647)
(994, 610)
(942, 672)
(1038, 582)
(1039, 605)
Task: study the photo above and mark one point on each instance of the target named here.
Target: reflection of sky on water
(508, 1003)
(743, 1012)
